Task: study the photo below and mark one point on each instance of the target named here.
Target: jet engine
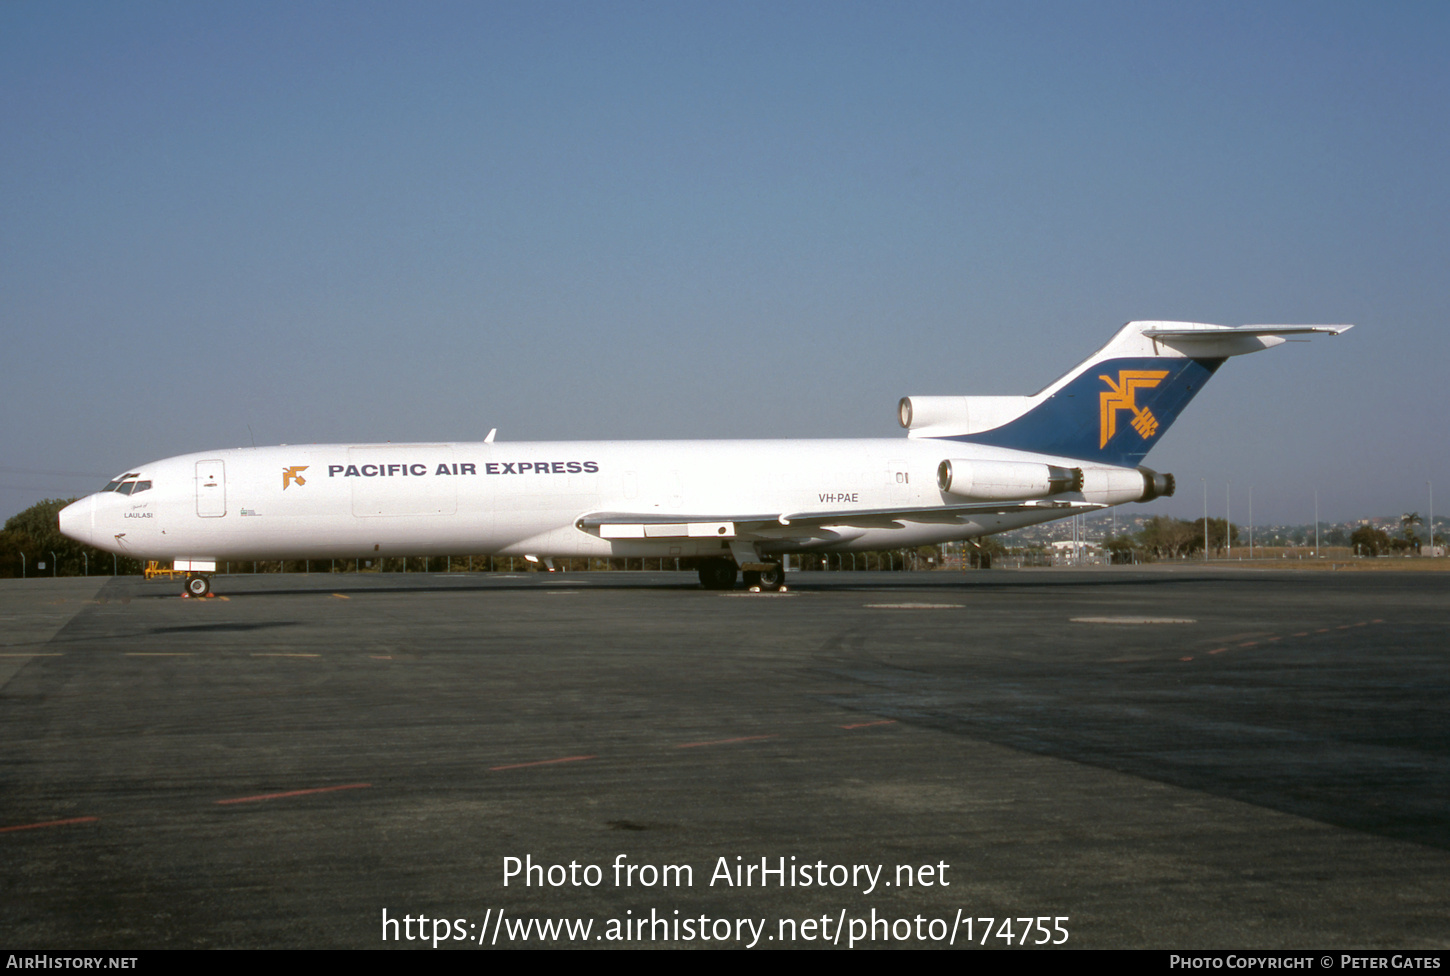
(993, 481)
(1112, 485)
(1156, 485)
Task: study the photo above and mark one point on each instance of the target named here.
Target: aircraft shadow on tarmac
(245, 585)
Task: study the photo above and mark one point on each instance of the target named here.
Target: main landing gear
(197, 585)
(769, 579)
(719, 574)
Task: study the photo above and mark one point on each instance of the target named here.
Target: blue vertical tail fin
(1114, 406)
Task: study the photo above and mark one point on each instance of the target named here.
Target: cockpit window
(125, 485)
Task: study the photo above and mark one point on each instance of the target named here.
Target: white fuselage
(338, 500)
(970, 466)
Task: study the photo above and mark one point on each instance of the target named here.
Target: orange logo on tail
(294, 473)
(1121, 396)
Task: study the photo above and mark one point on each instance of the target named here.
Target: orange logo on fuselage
(294, 473)
(1122, 396)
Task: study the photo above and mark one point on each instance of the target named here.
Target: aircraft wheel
(772, 578)
(198, 585)
(752, 578)
(717, 574)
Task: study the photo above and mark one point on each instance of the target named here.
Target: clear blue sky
(354, 221)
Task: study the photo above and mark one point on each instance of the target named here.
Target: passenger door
(211, 489)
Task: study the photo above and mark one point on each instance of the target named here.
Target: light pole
(1431, 486)
(54, 569)
(1228, 536)
(1316, 523)
(22, 565)
(1251, 521)
(1205, 518)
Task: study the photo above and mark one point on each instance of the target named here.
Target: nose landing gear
(197, 585)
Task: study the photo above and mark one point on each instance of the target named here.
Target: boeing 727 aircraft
(968, 467)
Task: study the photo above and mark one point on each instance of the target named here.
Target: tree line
(1170, 538)
(1164, 537)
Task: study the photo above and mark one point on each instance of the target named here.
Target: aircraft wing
(636, 525)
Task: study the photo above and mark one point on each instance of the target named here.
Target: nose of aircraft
(77, 520)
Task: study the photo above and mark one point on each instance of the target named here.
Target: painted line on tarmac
(290, 793)
(540, 762)
(1275, 638)
(49, 823)
(1133, 620)
(726, 742)
(914, 606)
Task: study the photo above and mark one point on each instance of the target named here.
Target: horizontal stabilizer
(1220, 343)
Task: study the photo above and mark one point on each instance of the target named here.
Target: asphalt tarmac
(1123, 758)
